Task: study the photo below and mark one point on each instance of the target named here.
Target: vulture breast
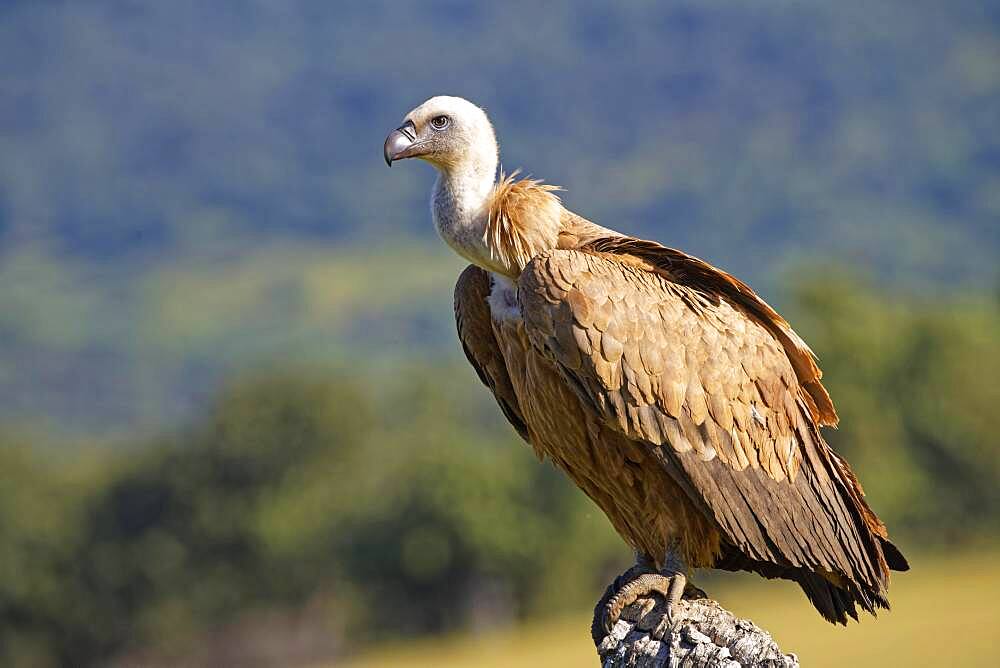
(645, 505)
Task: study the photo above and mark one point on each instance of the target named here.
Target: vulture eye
(440, 122)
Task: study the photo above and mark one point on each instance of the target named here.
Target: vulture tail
(893, 556)
(835, 602)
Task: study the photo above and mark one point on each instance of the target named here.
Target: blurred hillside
(189, 188)
(236, 427)
(311, 512)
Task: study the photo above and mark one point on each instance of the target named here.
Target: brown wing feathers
(475, 331)
(678, 354)
(714, 283)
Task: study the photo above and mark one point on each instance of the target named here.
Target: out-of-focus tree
(915, 382)
(173, 544)
(408, 495)
(43, 610)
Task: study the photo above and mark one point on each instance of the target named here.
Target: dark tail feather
(837, 603)
(893, 556)
(834, 603)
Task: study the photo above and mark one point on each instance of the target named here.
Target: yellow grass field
(954, 598)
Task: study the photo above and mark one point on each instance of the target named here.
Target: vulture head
(449, 132)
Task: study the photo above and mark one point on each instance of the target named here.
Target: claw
(640, 582)
(600, 611)
(670, 587)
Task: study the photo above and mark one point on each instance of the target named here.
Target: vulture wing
(673, 352)
(475, 330)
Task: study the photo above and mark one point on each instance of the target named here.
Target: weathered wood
(704, 635)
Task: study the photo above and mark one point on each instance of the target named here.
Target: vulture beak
(401, 143)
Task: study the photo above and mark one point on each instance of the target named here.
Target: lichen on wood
(703, 635)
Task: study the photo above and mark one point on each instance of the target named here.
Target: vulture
(667, 390)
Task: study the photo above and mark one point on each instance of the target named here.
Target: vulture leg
(642, 581)
(602, 623)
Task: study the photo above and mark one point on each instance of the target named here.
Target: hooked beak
(401, 143)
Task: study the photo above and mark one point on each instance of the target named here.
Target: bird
(670, 393)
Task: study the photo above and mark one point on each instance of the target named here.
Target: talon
(600, 610)
(675, 592)
(670, 587)
(640, 582)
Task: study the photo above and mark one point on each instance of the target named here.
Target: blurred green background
(236, 427)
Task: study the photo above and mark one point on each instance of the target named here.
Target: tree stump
(704, 635)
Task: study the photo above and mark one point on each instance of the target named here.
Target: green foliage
(43, 610)
(915, 382)
(179, 529)
(408, 495)
(292, 486)
(172, 210)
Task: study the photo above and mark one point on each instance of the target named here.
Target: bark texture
(704, 635)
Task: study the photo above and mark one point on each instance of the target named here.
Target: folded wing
(673, 352)
(475, 331)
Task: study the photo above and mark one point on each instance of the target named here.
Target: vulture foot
(642, 582)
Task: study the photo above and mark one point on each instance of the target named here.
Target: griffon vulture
(681, 403)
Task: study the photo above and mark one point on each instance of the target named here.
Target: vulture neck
(460, 206)
(496, 225)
